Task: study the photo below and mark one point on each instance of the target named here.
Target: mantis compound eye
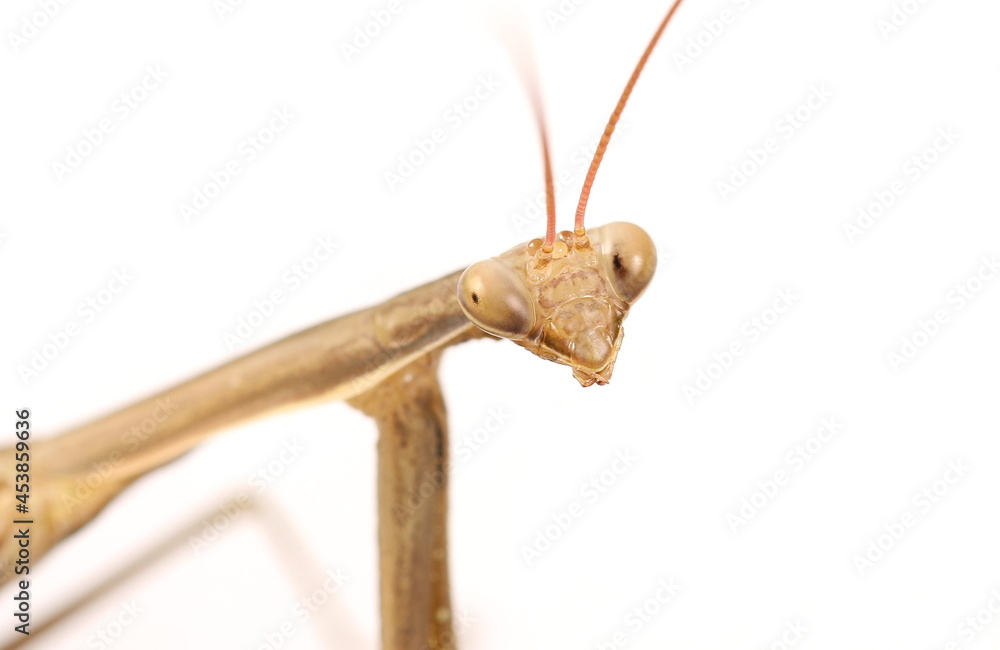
(496, 300)
(629, 257)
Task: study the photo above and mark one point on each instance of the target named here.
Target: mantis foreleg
(412, 507)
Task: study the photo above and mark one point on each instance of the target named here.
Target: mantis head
(566, 305)
(565, 300)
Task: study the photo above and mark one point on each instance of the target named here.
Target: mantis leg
(413, 507)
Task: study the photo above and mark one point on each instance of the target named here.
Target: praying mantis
(562, 297)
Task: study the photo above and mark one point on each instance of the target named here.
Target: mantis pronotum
(562, 296)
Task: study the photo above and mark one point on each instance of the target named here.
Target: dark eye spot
(475, 298)
(618, 263)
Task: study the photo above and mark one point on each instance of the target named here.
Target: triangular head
(565, 299)
(567, 305)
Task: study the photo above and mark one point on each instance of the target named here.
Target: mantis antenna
(565, 300)
(514, 35)
(581, 207)
(550, 195)
(531, 82)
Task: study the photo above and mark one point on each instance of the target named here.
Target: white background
(722, 262)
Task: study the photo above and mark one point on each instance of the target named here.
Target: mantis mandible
(562, 297)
